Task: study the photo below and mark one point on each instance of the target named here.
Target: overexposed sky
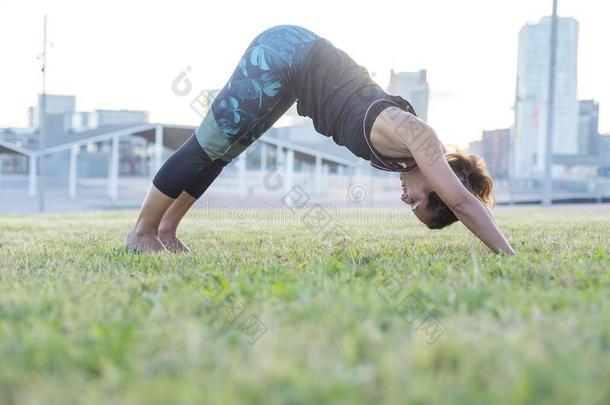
(125, 54)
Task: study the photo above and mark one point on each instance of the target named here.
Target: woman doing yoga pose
(288, 64)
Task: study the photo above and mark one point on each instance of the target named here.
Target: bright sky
(125, 54)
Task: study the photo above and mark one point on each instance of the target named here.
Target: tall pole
(42, 121)
(550, 118)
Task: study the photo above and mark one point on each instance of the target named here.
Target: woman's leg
(188, 169)
(257, 94)
(143, 236)
(249, 104)
(170, 221)
(176, 211)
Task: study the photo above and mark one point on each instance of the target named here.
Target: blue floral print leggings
(258, 93)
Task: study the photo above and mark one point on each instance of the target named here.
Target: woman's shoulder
(404, 104)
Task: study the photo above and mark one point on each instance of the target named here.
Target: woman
(288, 63)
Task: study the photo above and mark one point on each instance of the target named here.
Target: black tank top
(337, 93)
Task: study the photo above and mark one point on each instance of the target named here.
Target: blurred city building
(593, 157)
(588, 135)
(412, 86)
(532, 96)
(494, 148)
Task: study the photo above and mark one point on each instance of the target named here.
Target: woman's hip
(258, 92)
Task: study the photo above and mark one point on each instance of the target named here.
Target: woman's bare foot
(143, 237)
(171, 241)
(143, 242)
(171, 219)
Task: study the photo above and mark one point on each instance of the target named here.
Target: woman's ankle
(144, 230)
(166, 231)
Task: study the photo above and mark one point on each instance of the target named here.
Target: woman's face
(415, 191)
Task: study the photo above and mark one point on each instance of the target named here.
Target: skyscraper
(528, 148)
(588, 134)
(413, 87)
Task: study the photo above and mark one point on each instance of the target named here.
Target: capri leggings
(258, 93)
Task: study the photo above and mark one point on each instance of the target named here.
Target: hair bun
(472, 168)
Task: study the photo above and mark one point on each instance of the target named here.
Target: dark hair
(471, 171)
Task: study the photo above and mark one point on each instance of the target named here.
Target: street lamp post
(550, 124)
(42, 121)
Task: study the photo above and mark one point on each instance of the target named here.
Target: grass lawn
(264, 311)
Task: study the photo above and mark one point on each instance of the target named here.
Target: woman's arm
(418, 139)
